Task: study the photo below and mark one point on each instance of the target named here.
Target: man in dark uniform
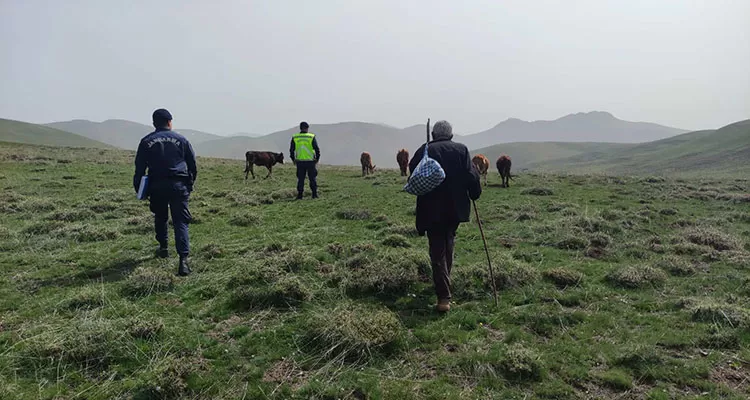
(305, 153)
(441, 211)
(170, 161)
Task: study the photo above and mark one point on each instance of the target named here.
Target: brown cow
(366, 161)
(402, 158)
(503, 167)
(482, 164)
(262, 159)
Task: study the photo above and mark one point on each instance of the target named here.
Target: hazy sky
(259, 66)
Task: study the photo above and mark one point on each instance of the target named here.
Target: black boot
(299, 196)
(183, 269)
(315, 195)
(163, 251)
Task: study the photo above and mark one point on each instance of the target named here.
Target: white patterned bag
(428, 174)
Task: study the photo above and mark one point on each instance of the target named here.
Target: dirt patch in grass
(286, 372)
(735, 376)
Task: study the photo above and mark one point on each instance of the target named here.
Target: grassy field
(610, 287)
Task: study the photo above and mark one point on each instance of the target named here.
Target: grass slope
(23, 132)
(609, 288)
(721, 151)
(525, 154)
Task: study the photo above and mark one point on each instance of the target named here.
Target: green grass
(721, 152)
(602, 294)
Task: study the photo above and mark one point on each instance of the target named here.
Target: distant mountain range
(121, 133)
(341, 143)
(23, 132)
(595, 126)
(662, 150)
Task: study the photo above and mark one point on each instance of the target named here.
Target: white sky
(258, 66)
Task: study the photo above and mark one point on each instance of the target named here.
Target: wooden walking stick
(487, 251)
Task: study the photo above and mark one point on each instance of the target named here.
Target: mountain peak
(591, 115)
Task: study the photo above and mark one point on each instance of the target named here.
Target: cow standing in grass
(482, 164)
(503, 168)
(402, 158)
(366, 161)
(262, 159)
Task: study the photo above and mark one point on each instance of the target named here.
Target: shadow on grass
(114, 272)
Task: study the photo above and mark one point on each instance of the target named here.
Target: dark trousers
(309, 169)
(442, 241)
(171, 195)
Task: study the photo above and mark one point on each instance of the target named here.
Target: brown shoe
(443, 305)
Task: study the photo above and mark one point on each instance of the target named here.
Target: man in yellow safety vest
(305, 153)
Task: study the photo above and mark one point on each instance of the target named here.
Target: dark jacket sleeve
(292, 148)
(190, 161)
(472, 178)
(141, 164)
(316, 148)
(415, 159)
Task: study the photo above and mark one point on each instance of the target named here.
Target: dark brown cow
(402, 158)
(482, 164)
(262, 159)
(503, 167)
(366, 161)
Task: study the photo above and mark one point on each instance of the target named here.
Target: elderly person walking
(441, 211)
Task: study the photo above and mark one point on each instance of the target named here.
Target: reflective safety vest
(303, 147)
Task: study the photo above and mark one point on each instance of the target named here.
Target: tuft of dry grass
(563, 277)
(538, 191)
(720, 313)
(353, 215)
(396, 241)
(144, 281)
(708, 236)
(676, 266)
(353, 331)
(634, 277)
(245, 219)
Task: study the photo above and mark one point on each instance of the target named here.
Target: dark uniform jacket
(168, 156)
(450, 203)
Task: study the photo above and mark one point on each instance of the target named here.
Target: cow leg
(251, 171)
(269, 173)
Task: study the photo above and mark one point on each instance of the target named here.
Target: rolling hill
(24, 132)
(710, 151)
(121, 133)
(595, 126)
(526, 154)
